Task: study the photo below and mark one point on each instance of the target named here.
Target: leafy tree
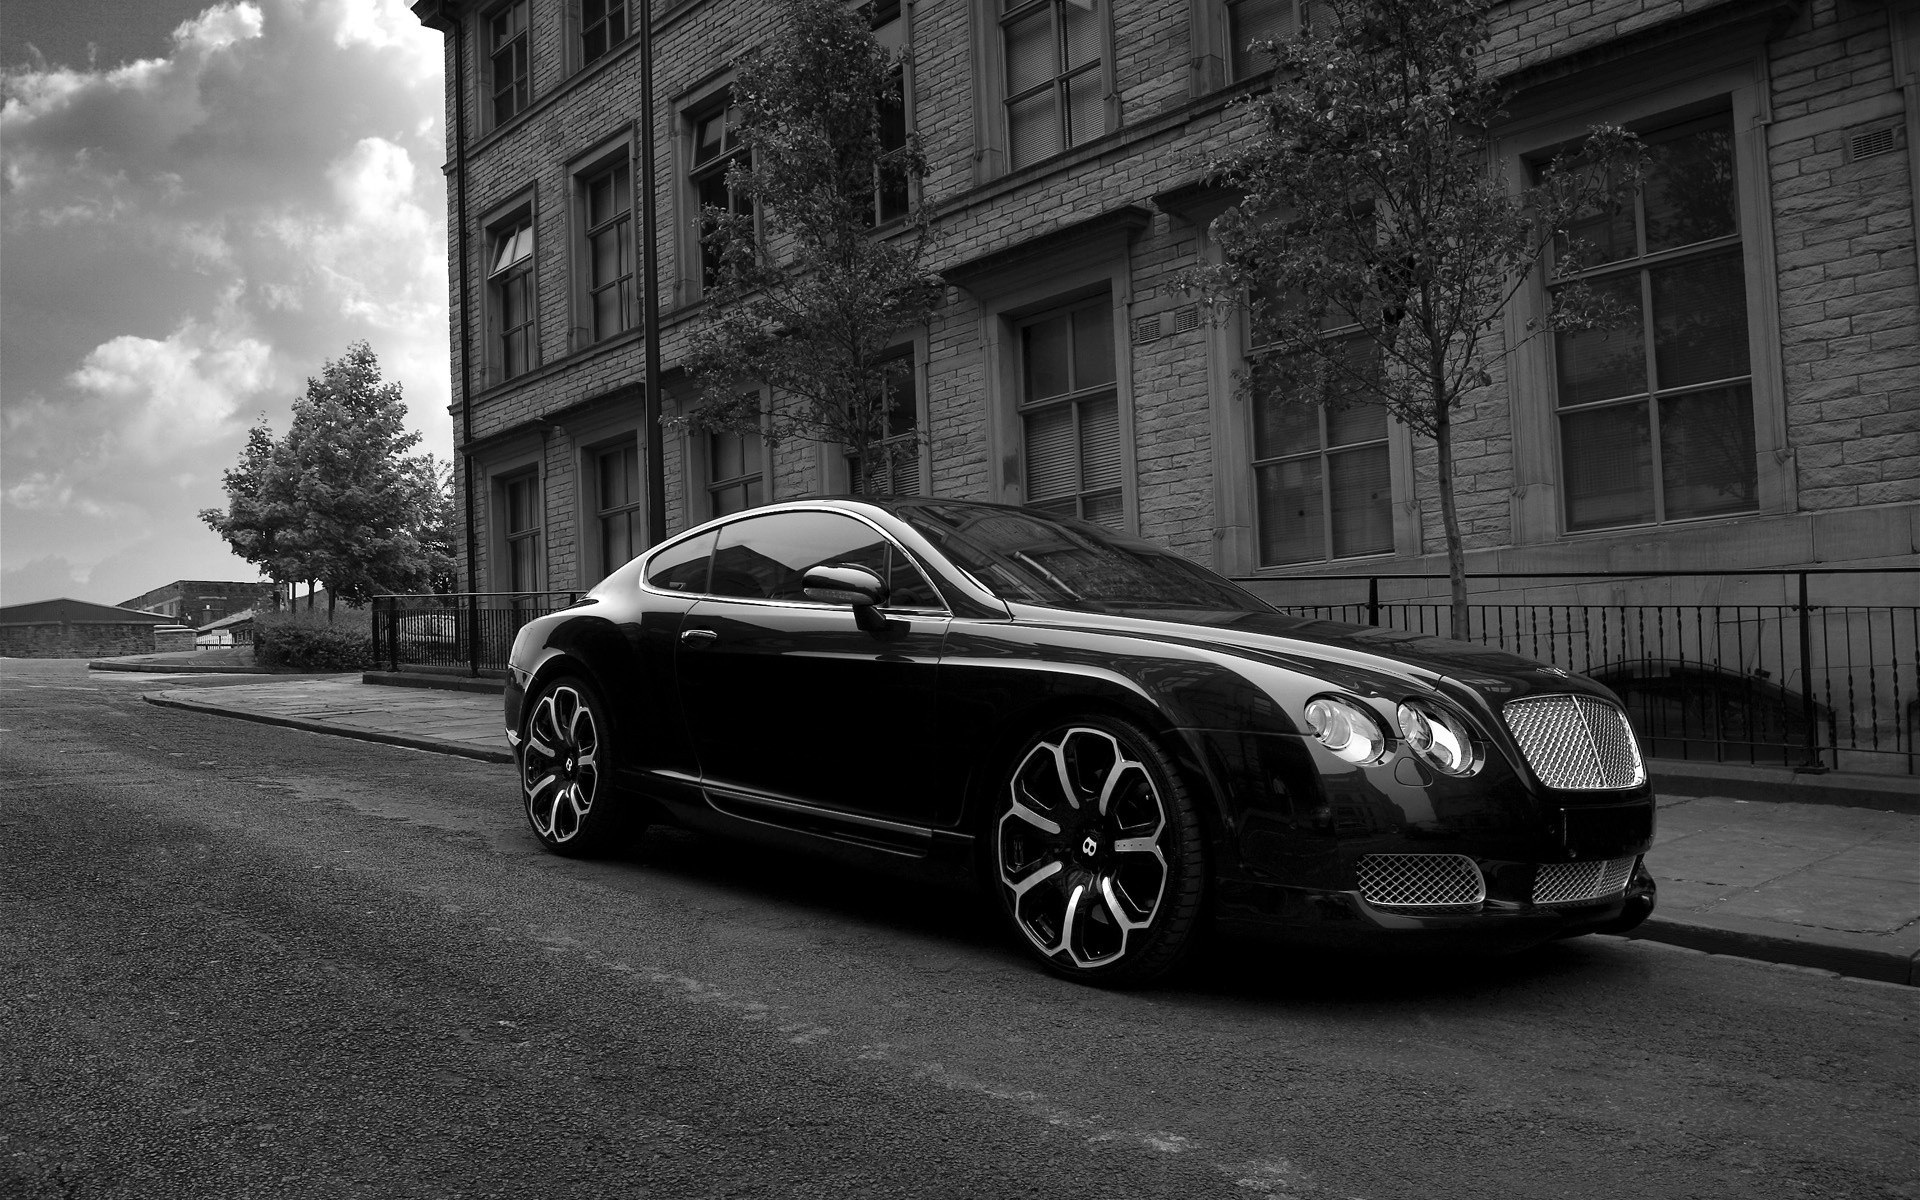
(812, 310)
(1374, 248)
(437, 524)
(337, 500)
(261, 521)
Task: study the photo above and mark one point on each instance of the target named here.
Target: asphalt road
(248, 961)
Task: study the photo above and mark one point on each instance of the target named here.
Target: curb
(1883, 793)
(445, 683)
(366, 735)
(155, 668)
(1853, 962)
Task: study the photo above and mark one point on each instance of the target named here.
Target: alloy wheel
(560, 763)
(1080, 848)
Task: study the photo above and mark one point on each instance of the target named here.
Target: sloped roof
(43, 612)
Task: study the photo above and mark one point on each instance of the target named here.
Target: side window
(603, 25)
(682, 567)
(1250, 21)
(767, 557)
(716, 147)
(511, 350)
(508, 76)
(1070, 414)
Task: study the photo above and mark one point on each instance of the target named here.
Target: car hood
(1363, 657)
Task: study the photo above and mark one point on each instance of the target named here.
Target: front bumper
(1347, 917)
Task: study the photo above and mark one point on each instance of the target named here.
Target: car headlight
(1346, 729)
(1438, 738)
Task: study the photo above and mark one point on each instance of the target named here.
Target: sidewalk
(1832, 884)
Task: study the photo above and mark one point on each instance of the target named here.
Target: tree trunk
(1450, 519)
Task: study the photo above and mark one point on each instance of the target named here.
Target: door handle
(698, 637)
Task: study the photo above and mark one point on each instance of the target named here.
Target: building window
(716, 147)
(1070, 414)
(1322, 481)
(510, 299)
(893, 468)
(1055, 78)
(1250, 21)
(507, 61)
(734, 480)
(891, 193)
(612, 305)
(617, 508)
(1656, 415)
(520, 500)
(603, 25)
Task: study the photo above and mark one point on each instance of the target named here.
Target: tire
(1096, 853)
(565, 761)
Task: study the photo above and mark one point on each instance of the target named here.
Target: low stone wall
(168, 639)
(79, 639)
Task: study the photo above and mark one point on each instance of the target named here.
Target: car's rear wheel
(1097, 854)
(566, 770)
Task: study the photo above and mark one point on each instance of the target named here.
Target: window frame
(583, 328)
(992, 128)
(1075, 399)
(835, 465)
(1725, 79)
(1323, 452)
(498, 229)
(594, 507)
(507, 539)
(895, 34)
(585, 30)
(695, 270)
(491, 49)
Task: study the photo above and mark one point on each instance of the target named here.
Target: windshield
(1066, 563)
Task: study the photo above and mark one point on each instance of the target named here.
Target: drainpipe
(650, 302)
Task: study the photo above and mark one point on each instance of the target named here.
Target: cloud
(187, 239)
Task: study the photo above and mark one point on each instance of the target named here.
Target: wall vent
(1187, 319)
(1146, 329)
(1871, 144)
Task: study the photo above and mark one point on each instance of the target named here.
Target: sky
(200, 204)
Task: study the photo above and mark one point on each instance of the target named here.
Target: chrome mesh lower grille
(1578, 742)
(1581, 882)
(1421, 881)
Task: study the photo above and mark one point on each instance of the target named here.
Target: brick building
(1777, 426)
(201, 602)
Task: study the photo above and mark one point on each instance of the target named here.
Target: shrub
(299, 641)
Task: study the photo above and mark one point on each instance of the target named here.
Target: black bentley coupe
(1122, 744)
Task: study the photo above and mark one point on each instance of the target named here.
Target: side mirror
(844, 583)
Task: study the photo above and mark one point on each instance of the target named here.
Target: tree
(1375, 246)
(436, 524)
(337, 500)
(261, 521)
(813, 310)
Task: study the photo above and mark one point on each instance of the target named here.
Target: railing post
(392, 610)
(1808, 714)
(473, 633)
(1373, 599)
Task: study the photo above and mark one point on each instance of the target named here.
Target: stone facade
(1819, 96)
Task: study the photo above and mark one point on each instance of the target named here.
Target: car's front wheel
(1097, 853)
(565, 770)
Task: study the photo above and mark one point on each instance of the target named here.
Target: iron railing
(1813, 669)
(465, 631)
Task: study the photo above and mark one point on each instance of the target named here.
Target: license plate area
(1606, 831)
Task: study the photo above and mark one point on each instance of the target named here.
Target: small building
(201, 602)
(66, 628)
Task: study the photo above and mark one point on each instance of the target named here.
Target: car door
(790, 698)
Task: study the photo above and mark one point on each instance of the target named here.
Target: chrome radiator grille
(1576, 742)
(1421, 881)
(1579, 882)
